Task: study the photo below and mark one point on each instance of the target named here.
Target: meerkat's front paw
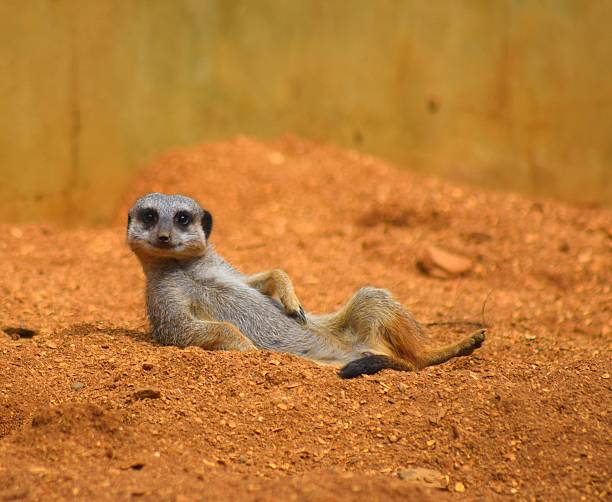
(299, 315)
(292, 307)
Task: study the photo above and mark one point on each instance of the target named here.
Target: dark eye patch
(183, 218)
(148, 216)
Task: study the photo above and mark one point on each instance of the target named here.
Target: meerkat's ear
(207, 222)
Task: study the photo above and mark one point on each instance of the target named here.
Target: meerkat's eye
(183, 218)
(149, 216)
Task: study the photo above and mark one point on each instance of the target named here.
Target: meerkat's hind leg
(381, 321)
(375, 324)
(373, 363)
(389, 336)
(465, 347)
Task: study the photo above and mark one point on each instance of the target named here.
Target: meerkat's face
(168, 226)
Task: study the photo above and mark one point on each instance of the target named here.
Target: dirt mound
(91, 408)
(325, 486)
(72, 418)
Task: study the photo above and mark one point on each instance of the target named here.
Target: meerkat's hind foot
(370, 364)
(471, 343)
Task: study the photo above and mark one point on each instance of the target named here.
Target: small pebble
(147, 394)
(424, 476)
(76, 385)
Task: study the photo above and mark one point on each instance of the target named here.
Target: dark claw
(299, 315)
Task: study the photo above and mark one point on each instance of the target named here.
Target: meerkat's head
(168, 226)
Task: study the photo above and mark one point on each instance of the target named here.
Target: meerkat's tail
(370, 364)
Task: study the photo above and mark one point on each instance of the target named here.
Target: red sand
(527, 416)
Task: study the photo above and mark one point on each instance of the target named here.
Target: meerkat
(195, 298)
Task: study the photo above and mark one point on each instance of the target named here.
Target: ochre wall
(514, 94)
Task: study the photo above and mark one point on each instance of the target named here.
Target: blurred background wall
(512, 94)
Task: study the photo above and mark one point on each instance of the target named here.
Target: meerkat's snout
(163, 238)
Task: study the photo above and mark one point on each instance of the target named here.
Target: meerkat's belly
(259, 317)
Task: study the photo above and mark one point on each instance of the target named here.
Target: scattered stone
(459, 487)
(530, 337)
(605, 376)
(426, 477)
(442, 264)
(17, 332)
(147, 366)
(141, 394)
(76, 385)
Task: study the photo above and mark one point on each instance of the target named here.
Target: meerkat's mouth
(165, 245)
(165, 249)
(158, 248)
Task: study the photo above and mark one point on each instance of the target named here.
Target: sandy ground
(90, 408)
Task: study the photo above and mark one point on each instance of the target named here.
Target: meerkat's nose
(163, 233)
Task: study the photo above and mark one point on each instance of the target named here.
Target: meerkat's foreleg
(179, 321)
(212, 335)
(276, 284)
(378, 323)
